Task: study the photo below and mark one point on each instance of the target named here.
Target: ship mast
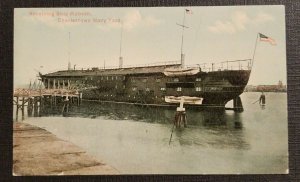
(69, 53)
(120, 55)
(183, 27)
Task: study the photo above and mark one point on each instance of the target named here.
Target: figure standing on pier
(262, 99)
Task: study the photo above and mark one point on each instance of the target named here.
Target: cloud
(226, 27)
(151, 21)
(239, 20)
(262, 18)
(132, 19)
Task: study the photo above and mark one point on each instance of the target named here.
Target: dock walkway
(35, 99)
(39, 152)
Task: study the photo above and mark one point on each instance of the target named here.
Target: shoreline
(37, 151)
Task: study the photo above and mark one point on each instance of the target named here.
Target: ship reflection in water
(217, 123)
(135, 140)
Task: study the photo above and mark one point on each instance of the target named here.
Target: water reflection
(205, 128)
(128, 137)
(214, 129)
(113, 111)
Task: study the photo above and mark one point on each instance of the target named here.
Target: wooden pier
(36, 151)
(35, 99)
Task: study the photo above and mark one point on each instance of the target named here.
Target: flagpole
(183, 27)
(252, 62)
(120, 55)
(182, 31)
(69, 52)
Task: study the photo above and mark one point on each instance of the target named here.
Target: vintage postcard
(156, 90)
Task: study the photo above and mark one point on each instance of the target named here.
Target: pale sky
(215, 34)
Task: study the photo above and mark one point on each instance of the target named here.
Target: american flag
(188, 11)
(267, 39)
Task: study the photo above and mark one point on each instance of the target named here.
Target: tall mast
(183, 27)
(69, 53)
(120, 55)
(182, 32)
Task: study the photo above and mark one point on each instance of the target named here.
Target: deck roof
(116, 71)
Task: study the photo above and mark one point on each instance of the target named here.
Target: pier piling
(37, 98)
(23, 104)
(29, 106)
(17, 108)
(180, 115)
(54, 99)
(35, 107)
(180, 119)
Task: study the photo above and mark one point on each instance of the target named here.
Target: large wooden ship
(157, 85)
(162, 84)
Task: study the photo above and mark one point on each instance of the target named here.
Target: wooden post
(29, 107)
(35, 107)
(39, 106)
(54, 99)
(67, 106)
(23, 108)
(17, 110)
(41, 98)
(80, 99)
(48, 85)
(51, 100)
(67, 101)
(68, 84)
(41, 103)
(63, 108)
(180, 118)
(54, 86)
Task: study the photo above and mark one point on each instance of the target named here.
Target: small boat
(185, 99)
(181, 71)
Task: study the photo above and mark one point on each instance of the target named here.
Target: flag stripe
(262, 36)
(267, 39)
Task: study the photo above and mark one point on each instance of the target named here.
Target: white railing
(244, 64)
(166, 63)
(206, 67)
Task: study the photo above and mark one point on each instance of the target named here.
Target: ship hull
(214, 88)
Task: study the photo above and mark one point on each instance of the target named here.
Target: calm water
(135, 140)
